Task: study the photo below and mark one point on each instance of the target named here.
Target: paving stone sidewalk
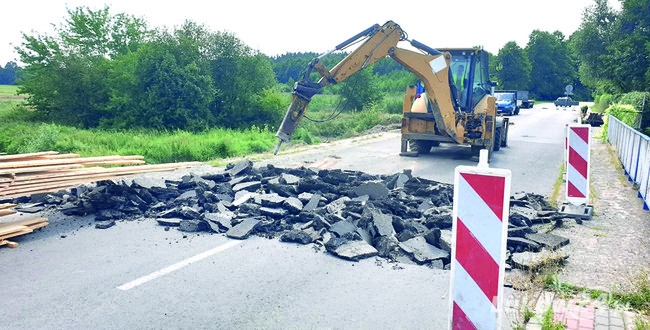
(582, 314)
(595, 314)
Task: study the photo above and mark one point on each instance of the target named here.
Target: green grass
(23, 131)
(637, 298)
(549, 322)
(155, 146)
(554, 199)
(8, 91)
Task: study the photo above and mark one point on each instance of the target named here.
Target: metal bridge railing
(633, 149)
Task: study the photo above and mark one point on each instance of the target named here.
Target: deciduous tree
(64, 73)
(512, 67)
(551, 67)
(589, 45)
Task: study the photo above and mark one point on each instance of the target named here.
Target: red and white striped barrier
(480, 229)
(577, 180)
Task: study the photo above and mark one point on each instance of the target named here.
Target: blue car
(507, 104)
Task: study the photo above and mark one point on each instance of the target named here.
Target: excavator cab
(469, 78)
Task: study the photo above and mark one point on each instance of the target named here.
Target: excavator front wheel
(497, 139)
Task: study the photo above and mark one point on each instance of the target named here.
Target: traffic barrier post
(479, 234)
(577, 172)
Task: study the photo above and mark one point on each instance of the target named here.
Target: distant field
(8, 93)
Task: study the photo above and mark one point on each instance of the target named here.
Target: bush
(272, 105)
(641, 102)
(601, 102)
(391, 104)
(623, 112)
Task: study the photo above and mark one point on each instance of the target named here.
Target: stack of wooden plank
(26, 174)
(17, 228)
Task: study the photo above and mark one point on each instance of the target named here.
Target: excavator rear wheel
(422, 146)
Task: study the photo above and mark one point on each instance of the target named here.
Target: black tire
(504, 140)
(420, 146)
(516, 111)
(476, 150)
(496, 144)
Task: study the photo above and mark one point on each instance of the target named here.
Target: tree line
(113, 71)
(9, 73)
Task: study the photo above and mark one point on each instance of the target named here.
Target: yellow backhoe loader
(456, 106)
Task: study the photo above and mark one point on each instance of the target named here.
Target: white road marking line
(176, 266)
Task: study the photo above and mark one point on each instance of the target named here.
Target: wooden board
(39, 225)
(20, 227)
(7, 212)
(60, 156)
(115, 162)
(12, 229)
(7, 206)
(9, 243)
(4, 158)
(27, 174)
(64, 161)
(13, 171)
(25, 222)
(17, 233)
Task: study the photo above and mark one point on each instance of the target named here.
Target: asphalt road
(137, 275)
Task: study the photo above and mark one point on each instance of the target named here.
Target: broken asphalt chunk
(192, 225)
(423, 252)
(170, 222)
(350, 250)
(148, 182)
(376, 190)
(518, 244)
(342, 227)
(293, 205)
(535, 261)
(548, 240)
(242, 167)
(248, 186)
(296, 236)
(382, 223)
(222, 220)
(243, 229)
(104, 224)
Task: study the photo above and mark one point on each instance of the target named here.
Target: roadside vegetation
(23, 130)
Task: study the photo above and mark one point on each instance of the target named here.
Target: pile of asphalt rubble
(353, 215)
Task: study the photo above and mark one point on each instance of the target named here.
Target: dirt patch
(610, 250)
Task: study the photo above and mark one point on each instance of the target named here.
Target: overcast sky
(280, 26)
